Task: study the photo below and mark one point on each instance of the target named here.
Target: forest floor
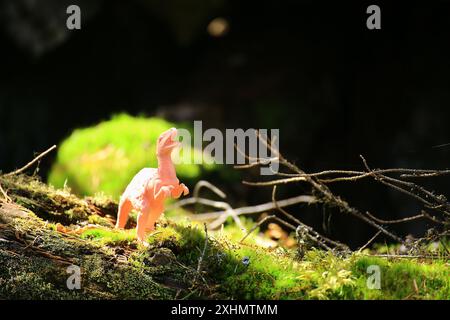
(45, 232)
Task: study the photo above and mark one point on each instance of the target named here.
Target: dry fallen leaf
(61, 228)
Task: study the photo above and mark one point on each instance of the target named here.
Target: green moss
(164, 237)
(252, 272)
(123, 281)
(264, 278)
(403, 279)
(437, 247)
(233, 270)
(33, 258)
(35, 267)
(104, 158)
(55, 205)
(32, 278)
(110, 237)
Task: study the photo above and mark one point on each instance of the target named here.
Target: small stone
(403, 249)
(162, 256)
(119, 251)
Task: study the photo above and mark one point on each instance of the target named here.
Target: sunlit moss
(105, 157)
(180, 260)
(108, 236)
(402, 279)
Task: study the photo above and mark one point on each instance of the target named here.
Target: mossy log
(55, 204)
(45, 233)
(35, 255)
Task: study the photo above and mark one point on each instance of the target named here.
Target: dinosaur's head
(166, 142)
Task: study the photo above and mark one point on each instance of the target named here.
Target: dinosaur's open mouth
(173, 143)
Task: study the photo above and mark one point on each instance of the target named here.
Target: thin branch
(256, 226)
(210, 186)
(272, 217)
(275, 182)
(319, 187)
(432, 173)
(333, 200)
(43, 154)
(358, 175)
(256, 164)
(369, 242)
(411, 189)
(416, 217)
(401, 256)
(200, 260)
(243, 210)
(316, 236)
(7, 199)
(287, 214)
(229, 211)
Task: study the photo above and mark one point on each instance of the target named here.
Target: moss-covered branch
(34, 260)
(43, 231)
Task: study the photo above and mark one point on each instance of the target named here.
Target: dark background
(311, 68)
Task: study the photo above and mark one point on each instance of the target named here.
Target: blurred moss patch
(104, 158)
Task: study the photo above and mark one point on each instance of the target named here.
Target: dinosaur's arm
(178, 190)
(160, 191)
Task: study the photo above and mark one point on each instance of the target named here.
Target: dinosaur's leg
(154, 214)
(141, 226)
(150, 225)
(123, 213)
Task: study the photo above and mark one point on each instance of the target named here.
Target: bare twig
(401, 256)
(220, 219)
(272, 217)
(428, 198)
(429, 174)
(200, 260)
(369, 242)
(318, 238)
(7, 199)
(318, 182)
(335, 201)
(256, 226)
(287, 214)
(210, 186)
(243, 210)
(406, 219)
(275, 182)
(319, 187)
(43, 154)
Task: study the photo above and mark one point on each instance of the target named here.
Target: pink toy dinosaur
(150, 187)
